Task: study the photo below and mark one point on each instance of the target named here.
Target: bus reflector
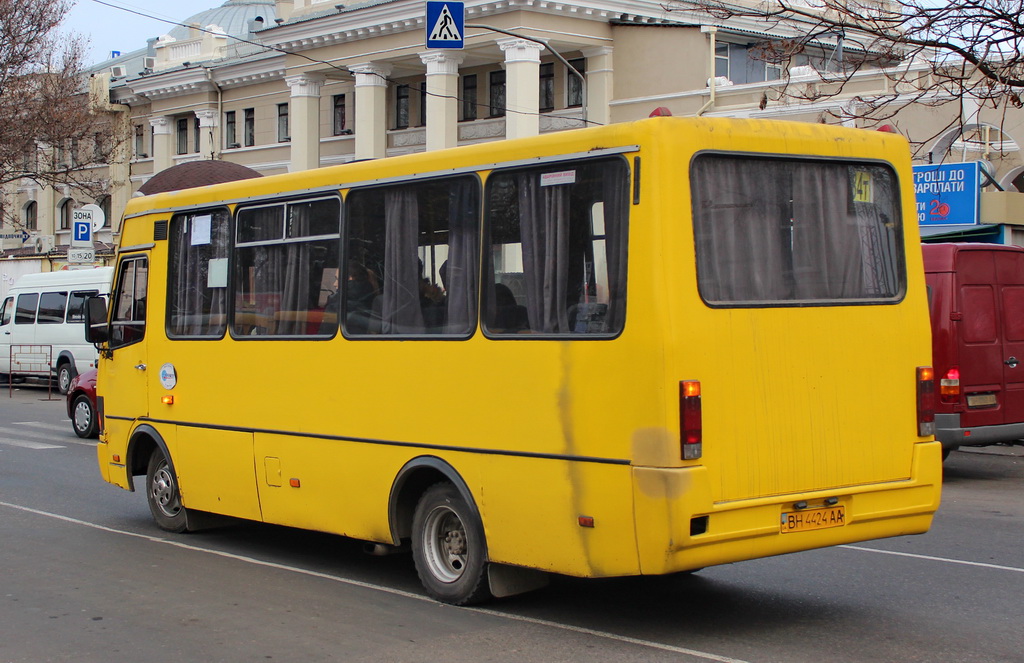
(690, 424)
(925, 401)
(167, 400)
(949, 386)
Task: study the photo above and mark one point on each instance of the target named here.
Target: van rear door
(991, 311)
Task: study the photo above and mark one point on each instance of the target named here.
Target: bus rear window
(791, 232)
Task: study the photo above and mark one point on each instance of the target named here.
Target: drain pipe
(711, 31)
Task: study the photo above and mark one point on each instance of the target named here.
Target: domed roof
(234, 16)
(191, 174)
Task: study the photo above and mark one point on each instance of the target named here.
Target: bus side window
(558, 238)
(128, 324)
(412, 258)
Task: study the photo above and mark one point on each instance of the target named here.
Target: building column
(163, 143)
(522, 87)
(304, 120)
(371, 109)
(442, 98)
(209, 143)
(599, 76)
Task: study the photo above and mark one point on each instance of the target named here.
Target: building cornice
(395, 17)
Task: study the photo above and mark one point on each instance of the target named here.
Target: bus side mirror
(96, 330)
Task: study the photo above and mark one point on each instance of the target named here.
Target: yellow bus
(644, 348)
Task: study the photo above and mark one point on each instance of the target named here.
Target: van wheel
(65, 374)
(448, 547)
(163, 495)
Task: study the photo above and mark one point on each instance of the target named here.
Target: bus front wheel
(448, 547)
(163, 495)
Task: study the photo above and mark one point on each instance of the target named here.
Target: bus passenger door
(123, 384)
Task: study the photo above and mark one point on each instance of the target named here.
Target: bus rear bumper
(692, 532)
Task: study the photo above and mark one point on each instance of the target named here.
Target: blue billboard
(947, 194)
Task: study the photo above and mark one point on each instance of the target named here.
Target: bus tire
(448, 547)
(163, 495)
(65, 374)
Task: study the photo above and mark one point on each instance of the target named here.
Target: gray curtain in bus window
(400, 304)
(615, 191)
(461, 268)
(741, 229)
(544, 228)
(826, 238)
(295, 264)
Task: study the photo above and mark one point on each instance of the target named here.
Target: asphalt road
(86, 576)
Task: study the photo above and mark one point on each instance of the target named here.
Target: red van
(976, 294)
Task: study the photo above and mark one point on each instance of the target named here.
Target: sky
(109, 29)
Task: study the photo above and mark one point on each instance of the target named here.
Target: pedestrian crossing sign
(445, 24)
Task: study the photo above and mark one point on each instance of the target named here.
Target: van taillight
(925, 400)
(949, 386)
(690, 424)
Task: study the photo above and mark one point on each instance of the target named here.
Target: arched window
(64, 211)
(104, 203)
(31, 217)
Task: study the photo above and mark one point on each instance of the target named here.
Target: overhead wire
(340, 68)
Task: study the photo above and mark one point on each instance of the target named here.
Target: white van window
(7, 312)
(26, 314)
(51, 308)
(76, 305)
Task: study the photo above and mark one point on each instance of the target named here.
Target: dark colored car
(82, 405)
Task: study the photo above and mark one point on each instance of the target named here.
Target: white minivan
(44, 314)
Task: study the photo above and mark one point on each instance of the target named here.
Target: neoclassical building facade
(289, 85)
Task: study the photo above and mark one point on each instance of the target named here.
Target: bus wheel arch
(412, 481)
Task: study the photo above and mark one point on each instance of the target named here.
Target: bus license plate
(808, 519)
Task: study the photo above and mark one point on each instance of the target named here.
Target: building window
(497, 93)
(772, 72)
(282, 123)
(721, 59)
(469, 97)
(197, 133)
(339, 114)
(65, 211)
(574, 86)
(104, 204)
(230, 130)
(402, 107)
(31, 215)
(249, 128)
(140, 142)
(182, 131)
(546, 95)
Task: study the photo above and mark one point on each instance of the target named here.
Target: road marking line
(947, 560)
(39, 424)
(26, 444)
(380, 588)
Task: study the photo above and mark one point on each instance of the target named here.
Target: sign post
(82, 221)
(445, 24)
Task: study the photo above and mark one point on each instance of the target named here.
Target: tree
(50, 134)
(926, 52)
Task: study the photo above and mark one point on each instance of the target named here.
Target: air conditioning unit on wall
(42, 243)
(118, 71)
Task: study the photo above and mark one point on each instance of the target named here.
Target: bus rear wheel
(448, 547)
(163, 495)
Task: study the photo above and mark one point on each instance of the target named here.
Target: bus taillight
(690, 425)
(925, 400)
(949, 386)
